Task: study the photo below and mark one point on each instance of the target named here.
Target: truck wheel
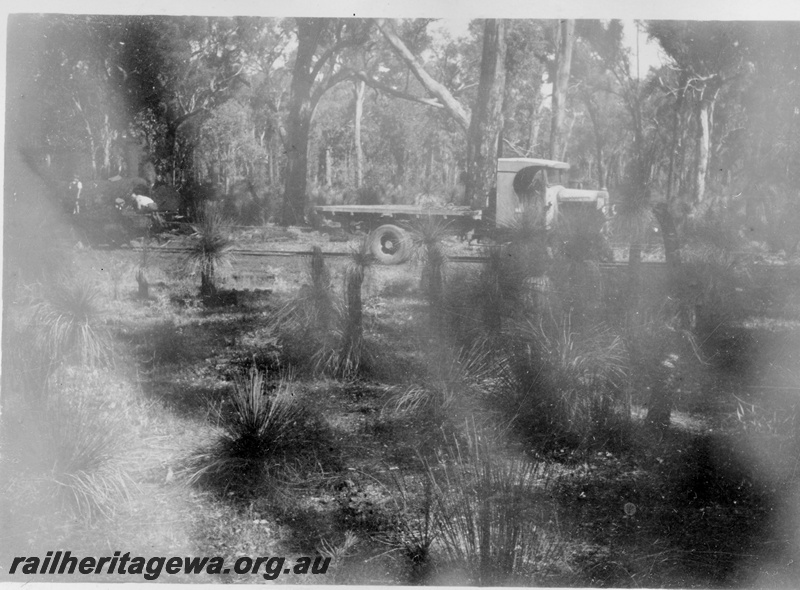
(389, 244)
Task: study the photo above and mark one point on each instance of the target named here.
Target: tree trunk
(328, 167)
(634, 282)
(599, 138)
(566, 137)
(703, 138)
(309, 33)
(360, 87)
(144, 286)
(487, 118)
(208, 287)
(561, 84)
(676, 137)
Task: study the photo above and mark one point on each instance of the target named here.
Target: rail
(289, 253)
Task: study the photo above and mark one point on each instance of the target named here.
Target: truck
(521, 184)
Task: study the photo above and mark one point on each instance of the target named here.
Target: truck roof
(516, 164)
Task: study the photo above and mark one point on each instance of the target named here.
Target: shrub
(88, 453)
(415, 530)
(73, 449)
(352, 344)
(660, 354)
(714, 278)
(491, 512)
(578, 245)
(141, 276)
(504, 287)
(318, 333)
(67, 324)
(451, 390)
(427, 236)
(558, 386)
(477, 304)
(266, 435)
(313, 310)
(211, 249)
(309, 321)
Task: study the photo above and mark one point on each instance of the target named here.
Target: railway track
(290, 253)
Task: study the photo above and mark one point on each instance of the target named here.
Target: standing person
(75, 188)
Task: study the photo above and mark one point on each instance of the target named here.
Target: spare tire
(389, 244)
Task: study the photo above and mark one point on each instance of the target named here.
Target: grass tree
(319, 292)
(67, 322)
(505, 281)
(141, 276)
(211, 249)
(634, 217)
(561, 386)
(578, 247)
(266, 434)
(427, 239)
(491, 514)
(361, 259)
(86, 451)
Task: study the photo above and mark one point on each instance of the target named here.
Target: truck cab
(539, 185)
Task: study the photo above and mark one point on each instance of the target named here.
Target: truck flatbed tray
(398, 210)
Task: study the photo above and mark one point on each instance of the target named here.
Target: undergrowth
(491, 513)
(267, 438)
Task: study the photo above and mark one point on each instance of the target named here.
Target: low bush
(451, 390)
(559, 387)
(88, 466)
(312, 313)
(321, 335)
(210, 252)
(63, 324)
(478, 305)
(491, 513)
(267, 435)
(74, 449)
(68, 323)
(427, 236)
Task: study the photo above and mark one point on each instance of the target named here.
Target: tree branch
(451, 105)
(332, 81)
(380, 86)
(351, 41)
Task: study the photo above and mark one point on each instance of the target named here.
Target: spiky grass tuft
(84, 456)
(267, 434)
(491, 512)
(211, 249)
(320, 333)
(562, 386)
(352, 345)
(67, 322)
(427, 237)
(633, 219)
(312, 312)
(451, 390)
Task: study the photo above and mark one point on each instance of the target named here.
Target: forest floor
(709, 502)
